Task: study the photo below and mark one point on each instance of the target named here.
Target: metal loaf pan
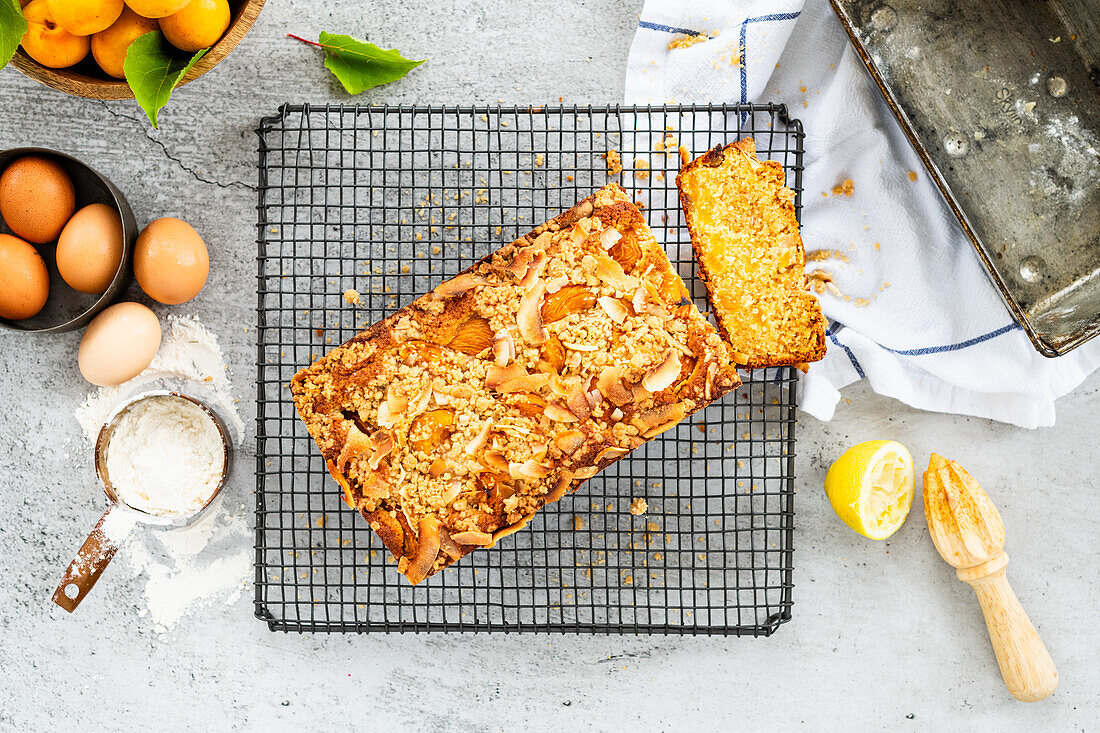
(1002, 103)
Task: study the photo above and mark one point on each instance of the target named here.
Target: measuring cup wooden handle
(91, 560)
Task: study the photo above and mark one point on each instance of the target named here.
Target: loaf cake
(745, 237)
(455, 419)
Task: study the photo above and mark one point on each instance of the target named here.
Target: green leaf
(153, 69)
(360, 65)
(12, 27)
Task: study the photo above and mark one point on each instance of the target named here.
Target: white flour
(165, 457)
(191, 569)
(210, 561)
(189, 355)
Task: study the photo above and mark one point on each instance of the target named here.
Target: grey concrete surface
(883, 636)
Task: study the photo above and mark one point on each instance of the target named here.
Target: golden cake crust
(747, 244)
(452, 421)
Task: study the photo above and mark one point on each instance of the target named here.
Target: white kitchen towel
(916, 313)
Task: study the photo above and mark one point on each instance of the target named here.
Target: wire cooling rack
(390, 201)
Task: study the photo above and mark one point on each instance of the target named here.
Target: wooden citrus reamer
(969, 534)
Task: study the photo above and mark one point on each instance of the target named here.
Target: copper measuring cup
(120, 518)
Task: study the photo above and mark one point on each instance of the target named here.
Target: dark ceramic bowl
(67, 309)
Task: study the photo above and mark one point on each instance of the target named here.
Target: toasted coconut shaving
(356, 443)
(479, 539)
(382, 444)
(341, 479)
(451, 492)
(664, 374)
(438, 467)
(512, 529)
(610, 237)
(586, 473)
(569, 440)
(580, 347)
(526, 383)
(448, 545)
(610, 453)
(385, 415)
(611, 272)
(659, 419)
(534, 270)
(458, 286)
(532, 469)
(553, 286)
(613, 307)
(427, 550)
(556, 412)
(529, 318)
(610, 385)
(578, 404)
(521, 260)
(495, 459)
(560, 487)
(479, 440)
(497, 375)
(504, 349)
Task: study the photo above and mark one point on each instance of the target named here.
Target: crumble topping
(450, 423)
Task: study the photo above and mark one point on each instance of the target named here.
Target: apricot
(156, 8)
(200, 24)
(48, 43)
(85, 17)
(109, 47)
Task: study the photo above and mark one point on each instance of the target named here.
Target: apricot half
(48, 43)
(200, 24)
(109, 47)
(85, 17)
(156, 8)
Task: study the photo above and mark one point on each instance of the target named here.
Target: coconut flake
(613, 307)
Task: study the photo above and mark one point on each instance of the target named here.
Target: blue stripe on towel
(744, 50)
(668, 28)
(955, 347)
(851, 357)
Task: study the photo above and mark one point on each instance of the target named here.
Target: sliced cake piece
(449, 424)
(745, 236)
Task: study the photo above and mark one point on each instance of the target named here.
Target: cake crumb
(819, 255)
(578, 523)
(819, 281)
(351, 296)
(688, 41)
(912, 175)
(845, 188)
(685, 156)
(614, 162)
(641, 169)
(668, 142)
(638, 507)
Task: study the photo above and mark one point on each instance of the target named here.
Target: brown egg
(24, 281)
(118, 344)
(170, 261)
(89, 249)
(36, 198)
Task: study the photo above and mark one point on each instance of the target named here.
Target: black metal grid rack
(389, 201)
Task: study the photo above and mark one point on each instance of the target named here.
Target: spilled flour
(210, 562)
(189, 360)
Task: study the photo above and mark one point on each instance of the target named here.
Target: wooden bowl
(86, 79)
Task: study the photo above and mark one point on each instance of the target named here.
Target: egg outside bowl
(87, 80)
(68, 309)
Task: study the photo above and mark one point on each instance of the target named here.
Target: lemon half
(871, 487)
